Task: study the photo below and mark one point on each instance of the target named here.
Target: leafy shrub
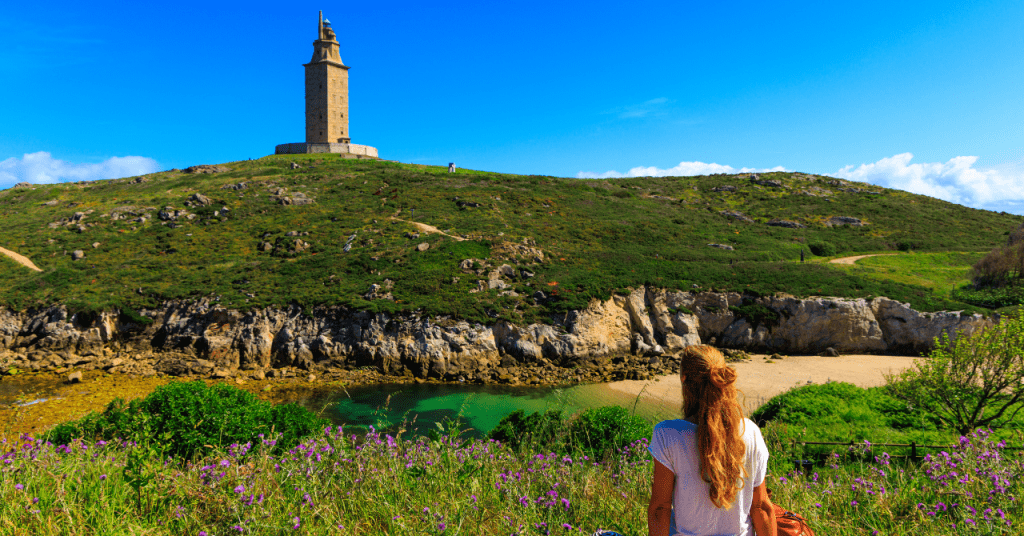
(906, 246)
(992, 298)
(970, 381)
(593, 432)
(1003, 265)
(131, 315)
(823, 249)
(755, 313)
(843, 412)
(608, 428)
(189, 416)
(519, 428)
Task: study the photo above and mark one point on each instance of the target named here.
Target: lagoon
(420, 407)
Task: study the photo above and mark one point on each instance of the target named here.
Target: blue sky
(923, 96)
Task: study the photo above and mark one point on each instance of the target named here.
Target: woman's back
(674, 445)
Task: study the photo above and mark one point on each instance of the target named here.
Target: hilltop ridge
(322, 230)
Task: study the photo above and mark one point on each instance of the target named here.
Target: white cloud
(957, 181)
(684, 169)
(42, 168)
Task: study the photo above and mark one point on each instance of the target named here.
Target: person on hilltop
(709, 466)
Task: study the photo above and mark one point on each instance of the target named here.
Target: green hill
(264, 232)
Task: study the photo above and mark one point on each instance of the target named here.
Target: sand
(759, 380)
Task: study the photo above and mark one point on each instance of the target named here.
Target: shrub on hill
(996, 279)
(188, 417)
(823, 249)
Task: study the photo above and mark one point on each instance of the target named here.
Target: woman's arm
(659, 512)
(761, 512)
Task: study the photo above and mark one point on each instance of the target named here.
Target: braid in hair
(709, 395)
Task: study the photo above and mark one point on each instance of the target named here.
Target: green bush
(594, 432)
(519, 428)
(188, 417)
(755, 313)
(992, 297)
(608, 428)
(823, 249)
(971, 380)
(843, 412)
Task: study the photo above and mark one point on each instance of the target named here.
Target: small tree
(969, 381)
(1003, 266)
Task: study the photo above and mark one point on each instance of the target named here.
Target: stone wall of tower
(326, 103)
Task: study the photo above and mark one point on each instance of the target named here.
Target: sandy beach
(759, 379)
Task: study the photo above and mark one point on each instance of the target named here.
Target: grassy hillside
(597, 236)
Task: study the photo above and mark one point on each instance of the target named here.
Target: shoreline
(760, 379)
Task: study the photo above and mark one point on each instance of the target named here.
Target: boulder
(77, 255)
(206, 169)
(843, 220)
(776, 222)
(200, 199)
(736, 215)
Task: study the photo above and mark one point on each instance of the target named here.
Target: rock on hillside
(201, 338)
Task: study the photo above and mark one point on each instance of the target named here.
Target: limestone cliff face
(203, 338)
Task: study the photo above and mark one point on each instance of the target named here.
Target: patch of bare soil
(424, 228)
(20, 259)
(855, 258)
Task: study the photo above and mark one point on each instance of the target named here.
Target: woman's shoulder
(750, 428)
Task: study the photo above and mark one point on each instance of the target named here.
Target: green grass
(598, 237)
(379, 484)
(939, 272)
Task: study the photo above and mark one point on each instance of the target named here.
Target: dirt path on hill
(759, 380)
(855, 258)
(20, 259)
(429, 228)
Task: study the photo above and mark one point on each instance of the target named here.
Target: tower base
(357, 151)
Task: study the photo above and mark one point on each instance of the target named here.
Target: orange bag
(790, 524)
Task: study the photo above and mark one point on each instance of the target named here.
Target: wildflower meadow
(377, 483)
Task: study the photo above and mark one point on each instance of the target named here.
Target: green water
(417, 407)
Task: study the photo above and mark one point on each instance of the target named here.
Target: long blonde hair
(709, 397)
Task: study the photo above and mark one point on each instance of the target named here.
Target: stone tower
(327, 102)
(326, 90)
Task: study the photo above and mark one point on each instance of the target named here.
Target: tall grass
(339, 483)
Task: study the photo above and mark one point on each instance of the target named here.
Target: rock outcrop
(203, 338)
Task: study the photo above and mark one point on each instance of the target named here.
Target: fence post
(913, 451)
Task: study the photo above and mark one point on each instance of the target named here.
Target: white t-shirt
(675, 445)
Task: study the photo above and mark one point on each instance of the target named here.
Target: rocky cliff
(202, 338)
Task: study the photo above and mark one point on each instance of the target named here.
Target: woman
(709, 467)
